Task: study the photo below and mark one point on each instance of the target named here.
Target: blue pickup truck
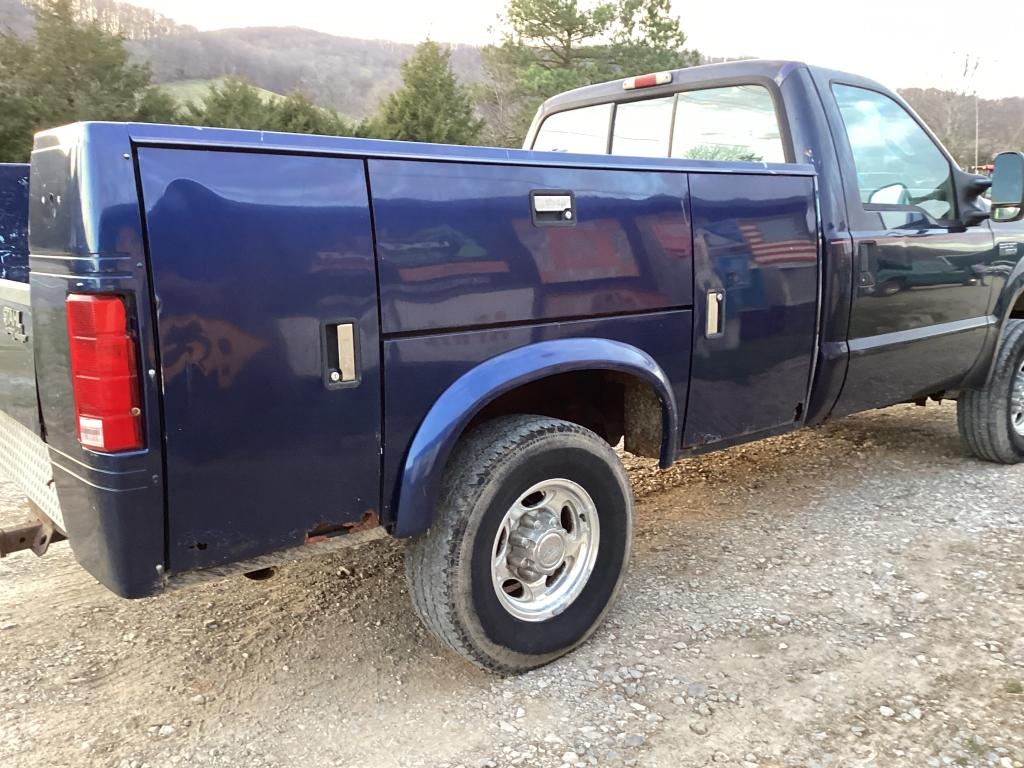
(223, 348)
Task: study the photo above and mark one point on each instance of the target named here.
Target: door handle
(715, 324)
(341, 354)
(865, 275)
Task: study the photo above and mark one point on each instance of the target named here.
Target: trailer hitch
(36, 535)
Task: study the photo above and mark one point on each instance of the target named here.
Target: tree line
(75, 67)
(125, 20)
(966, 124)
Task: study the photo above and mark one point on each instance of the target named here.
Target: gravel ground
(851, 595)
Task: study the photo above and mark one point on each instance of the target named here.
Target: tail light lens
(104, 373)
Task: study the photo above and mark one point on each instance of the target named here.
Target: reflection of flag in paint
(674, 236)
(593, 250)
(777, 252)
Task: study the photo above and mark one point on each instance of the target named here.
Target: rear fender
(455, 408)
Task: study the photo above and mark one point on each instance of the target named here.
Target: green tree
(156, 105)
(17, 113)
(234, 103)
(431, 104)
(550, 46)
(647, 38)
(297, 114)
(68, 71)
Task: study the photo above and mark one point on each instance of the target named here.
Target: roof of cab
(709, 76)
(705, 73)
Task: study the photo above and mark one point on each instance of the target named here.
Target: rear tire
(991, 420)
(529, 544)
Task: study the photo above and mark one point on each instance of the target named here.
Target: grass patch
(184, 91)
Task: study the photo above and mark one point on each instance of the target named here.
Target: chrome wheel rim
(544, 550)
(1017, 402)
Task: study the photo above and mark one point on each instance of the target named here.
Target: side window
(583, 130)
(737, 122)
(642, 128)
(897, 163)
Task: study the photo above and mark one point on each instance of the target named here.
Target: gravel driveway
(851, 595)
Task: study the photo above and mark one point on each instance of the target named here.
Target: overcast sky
(903, 43)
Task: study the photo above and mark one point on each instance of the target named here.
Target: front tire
(529, 544)
(992, 419)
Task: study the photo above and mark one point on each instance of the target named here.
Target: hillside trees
(951, 115)
(126, 20)
(235, 103)
(430, 105)
(68, 71)
(71, 69)
(75, 67)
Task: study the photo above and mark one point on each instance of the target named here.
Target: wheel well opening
(614, 405)
(1017, 313)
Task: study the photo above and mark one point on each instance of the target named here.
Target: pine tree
(232, 103)
(431, 104)
(552, 46)
(69, 71)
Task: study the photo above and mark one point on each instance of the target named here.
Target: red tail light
(104, 373)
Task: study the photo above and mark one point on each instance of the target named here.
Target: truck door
(265, 289)
(921, 299)
(755, 305)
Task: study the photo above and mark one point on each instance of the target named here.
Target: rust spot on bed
(324, 531)
(370, 519)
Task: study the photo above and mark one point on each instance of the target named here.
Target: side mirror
(1008, 187)
(894, 194)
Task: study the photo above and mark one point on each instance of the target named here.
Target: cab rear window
(583, 130)
(643, 128)
(736, 123)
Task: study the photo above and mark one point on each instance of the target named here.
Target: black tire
(985, 415)
(449, 567)
(891, 287)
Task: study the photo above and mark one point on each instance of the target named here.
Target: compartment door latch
(341, 354)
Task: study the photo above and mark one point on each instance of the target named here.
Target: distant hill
(347, 74)
(118, 18)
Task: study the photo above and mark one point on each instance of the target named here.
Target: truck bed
(23, 453)
(241, 253)
(17, 377)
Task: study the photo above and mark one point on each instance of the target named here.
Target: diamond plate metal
(26, 461)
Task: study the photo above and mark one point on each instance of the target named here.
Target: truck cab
(914, 295)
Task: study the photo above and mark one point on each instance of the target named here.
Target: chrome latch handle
(341, 354)
(715, 324)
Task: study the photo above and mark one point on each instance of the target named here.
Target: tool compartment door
(756, 278)
(265, 288)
